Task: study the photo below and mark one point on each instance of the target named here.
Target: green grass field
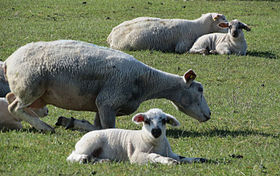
(243, 92)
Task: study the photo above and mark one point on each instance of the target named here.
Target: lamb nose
(156, 132)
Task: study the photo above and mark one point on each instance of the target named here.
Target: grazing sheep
(167, 35)
(231, 43)
(81, 76)
(4, 86)
(8, 121)
(138, 146)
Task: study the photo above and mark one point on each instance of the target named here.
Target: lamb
(10, 122)
(4, 86)
(231, 43)
(167, 35)
(137, 146)
(81, 76)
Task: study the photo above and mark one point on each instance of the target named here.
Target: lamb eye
(200, 89)
(147, 122)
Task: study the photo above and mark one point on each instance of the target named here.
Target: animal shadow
(176, 133)
(264, 54)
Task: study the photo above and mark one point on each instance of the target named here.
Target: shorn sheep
(4, 86)
(167, 35)
(231, 43)
(10, 122)
(137, 146)
(81, 76)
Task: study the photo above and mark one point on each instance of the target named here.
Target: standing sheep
(167, 35)
(81, 76)
(231, 43)
(137, 146)
(4, 86)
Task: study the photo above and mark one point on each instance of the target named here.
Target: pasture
(243, 92)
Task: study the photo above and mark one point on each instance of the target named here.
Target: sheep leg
(182, 159)
(97, 122)
(75, 124)
(107, 117)
(156, 158)
(203, 51)
(16, 109)
(143, 158)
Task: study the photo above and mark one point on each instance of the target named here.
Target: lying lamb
(81, 76)
(167, 35)
(231, 43)
(8, 121)
(138, 146)
(4, 86)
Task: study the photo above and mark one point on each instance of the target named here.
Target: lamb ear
(172, 120)
(189, 76)
(244, 26)
(10, 97)
(223, 25)
(138, 118)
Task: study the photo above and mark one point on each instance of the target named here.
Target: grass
(242, 138)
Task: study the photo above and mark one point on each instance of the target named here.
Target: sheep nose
(156, 132)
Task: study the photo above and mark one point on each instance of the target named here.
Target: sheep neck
(161, 85)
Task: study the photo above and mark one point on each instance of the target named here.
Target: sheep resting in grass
(81, 76)
(10, 122)
(4, 86)
(217, 43)
(137, 146)
(167, 35)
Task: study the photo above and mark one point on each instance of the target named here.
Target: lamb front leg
(143, 158)
(182, 159)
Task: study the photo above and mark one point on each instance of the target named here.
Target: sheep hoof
(200, 160)
(68, 123)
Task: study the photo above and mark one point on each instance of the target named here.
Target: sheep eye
(200, 89)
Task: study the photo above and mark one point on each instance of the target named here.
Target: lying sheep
(81, 76)
(10, 122)
(4, 86)
(167, 35)
(231, 43)
(137, 146)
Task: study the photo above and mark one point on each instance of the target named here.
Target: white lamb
(137, 146)
(10, 122)
(84, 77)
(217, 43)
(167, 35)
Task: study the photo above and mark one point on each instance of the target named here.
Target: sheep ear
(216, 17)
(10, 97)
(244, 26)
(172, 120)
(223, 25)
(138, 118)
(189, 76)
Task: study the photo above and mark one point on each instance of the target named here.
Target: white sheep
(4, 86)
(217, 43)
(81, 76)
(167, 35)
(137, 146)
(10, 122)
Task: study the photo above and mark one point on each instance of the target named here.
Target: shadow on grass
(264, 54)
(176, 133)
